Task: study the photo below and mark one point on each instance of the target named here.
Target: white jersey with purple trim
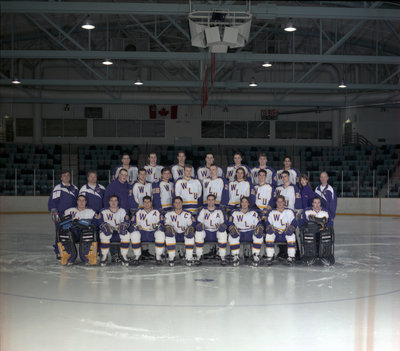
(245, 221)
(281, 220)
(87, 213)
(264, 194)
(178, 221)
(113, 218)
(189, 190)
(177, 172)
(231, 172)
(290, 195)
(204, 173)
(214, 186)
(153, 173)
(211, 219)
(139, 191)
(271, 177)
(320, 214)
(148, 221)
(294, 175)
(237, 190)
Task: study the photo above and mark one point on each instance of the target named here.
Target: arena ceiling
(56, 60)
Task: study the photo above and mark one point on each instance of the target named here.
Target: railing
(355, 138)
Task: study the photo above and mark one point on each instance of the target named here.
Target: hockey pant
(207, 236)
(272, 238)
(137, 237)
(105, 241)
(247, 236)
(171, 240)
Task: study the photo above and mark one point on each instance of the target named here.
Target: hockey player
(231, 170)
(78, 225)
(177, 170)
(307, 194)
(146, 226)
(119, 187)
(204, 172)
(264, 194)
(163, 192)
(317, 234)
(113, 222)
(93, 191)
(190, 190)
(211, 226)
(138, 191)
(290, 192)
(216, 185)
(327, 195)
(294, 174)
(152, 169)
(240, 187)
(271, 173)
(126, 164)
(62, 197)
(179, 227)
(280, 227)
(245, 225)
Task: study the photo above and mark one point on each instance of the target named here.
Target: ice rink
(354, 305)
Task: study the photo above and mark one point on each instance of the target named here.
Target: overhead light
(107, 62)
(342, 85)
(267, 64)
(6, 116)
(88, 25)
(290, 27)
(138, 82)
(253, 83)
(16, 81)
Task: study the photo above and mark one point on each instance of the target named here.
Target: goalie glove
(320, 221)
(189, 232)
(234, 232)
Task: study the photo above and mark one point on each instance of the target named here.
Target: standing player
(62, 197)
(231, 170)
(152, 169)
(327, 195)
(145, 227)
(119, 187)
(290, 192)
(264, 194)
(177, 170)
(307, 194)
(126, 164)
(216, 185)
(244, 225)
(271, 173)
(294, 174)
(204, 172)
(280, 227)
(138, 191)
(190, 190)
(113, 222)
(93, 191)
(79, 227)
(179, 227)
(239, 188)
(163, 192)
(211, 226)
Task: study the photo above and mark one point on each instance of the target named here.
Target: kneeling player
(317, 234)
(145, 227)
(179, 228)
(77, 225)
(245, 225)
(211, 226)
(280, 227)
(113, 223)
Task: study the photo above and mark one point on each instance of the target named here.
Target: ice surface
(354, 305)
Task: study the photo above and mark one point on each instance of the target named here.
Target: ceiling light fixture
(290, 27)
(88, 25)
(253, 83)
(138, 82)
(267, 64)
(16, 81)
(342, 85)
(107, 62)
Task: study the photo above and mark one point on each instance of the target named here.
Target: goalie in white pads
(113, 222)
(146, 226)
(280, 227)
(179, 227)
(211, 227)
(245, 226)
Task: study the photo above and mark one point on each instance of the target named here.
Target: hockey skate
(189, 263)
(136, 261)
(198, 261)
(255, 260)
(171, 263)
(236, 261)
(124, 261)
(103, 261)
(290, 261)
(269, 260)
(223, 262)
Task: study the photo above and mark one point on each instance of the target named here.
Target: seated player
(126, 164)
(179, 227)
(245, 226)
(317, 234)
(264, 194)
(113, 222)
(145, 227)
(239, 188)
(211, 226)
(327, 195)
(290, 192)
(190, 190)
(177, 169)
(307, 194)
(78, 225)
(152, 169)
(93, 191)
(204, 172)
(280, 227)
(216, 185)
(237, 163)
(138, 191)
(262, 164)
(163, 192)
(294, 174)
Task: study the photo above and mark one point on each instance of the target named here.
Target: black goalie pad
(326, 246)
(66, 246)
(309, 240)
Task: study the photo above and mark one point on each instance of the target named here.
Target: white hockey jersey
(190, 191)
(132, 173)
(211, 219)
(138, 192)
(231, 172)
(292, 196)
(177, 172)
(218, 187)
(204, 173)
(320, 214)
(178, 221)
(113, 218)
(237, 190)
(281, 220)
(244, 221)
(153, 173)
(264, 195)
(162, 194)
(294, 175)
(271, 175)
(87, 213)
(148, 221)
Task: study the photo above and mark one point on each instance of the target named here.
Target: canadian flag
(163, 111)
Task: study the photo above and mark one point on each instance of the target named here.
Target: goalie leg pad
(309, 239)
(66, 246)
(326, 245)
(199, 238)
(88, 246)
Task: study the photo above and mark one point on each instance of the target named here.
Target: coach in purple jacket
(327, 195)
(120, 188)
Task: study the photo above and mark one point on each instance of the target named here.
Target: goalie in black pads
(317, 235)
